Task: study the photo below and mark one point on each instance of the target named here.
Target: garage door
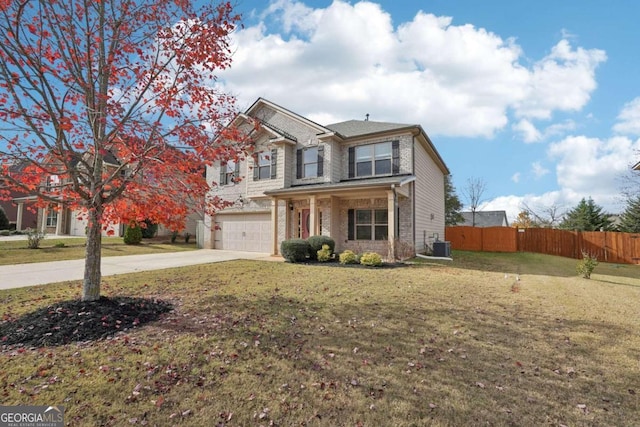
(246, 232)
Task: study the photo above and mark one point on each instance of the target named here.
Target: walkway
(20, 275)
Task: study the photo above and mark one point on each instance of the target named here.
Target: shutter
(395, 152)
(236, 172)
(320, 160)
(223, 175)
(299, 163)
(351, 224)
(256, 170)
(352, 162)
(274, 163)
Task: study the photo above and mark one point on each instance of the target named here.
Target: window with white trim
(229, 172)
(378, 159)
(265, 165)
(52, 217)
(368, 224)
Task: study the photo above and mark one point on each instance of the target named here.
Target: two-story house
(371, 186)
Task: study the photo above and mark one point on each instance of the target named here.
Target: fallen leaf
(481, 385)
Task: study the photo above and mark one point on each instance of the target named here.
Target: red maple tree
(116, 99)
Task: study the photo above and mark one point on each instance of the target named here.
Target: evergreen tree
(630, 218)
(586, 216)
(452, 204)
(4, 221)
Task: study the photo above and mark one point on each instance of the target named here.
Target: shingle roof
(344, 185)
(485, 218)
(352, 128)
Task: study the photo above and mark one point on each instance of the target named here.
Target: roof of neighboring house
(636, 166)
(486, 218)
(353, 128)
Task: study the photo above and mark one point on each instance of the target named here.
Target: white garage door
(247, 232)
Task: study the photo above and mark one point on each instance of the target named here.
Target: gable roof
(486, 219)
(636, 166)
(352, 128)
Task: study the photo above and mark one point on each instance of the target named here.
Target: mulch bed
(73, 321)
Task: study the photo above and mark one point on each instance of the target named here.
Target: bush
(586, 265)
(133, 234)
(371, 259)
(294, 250)
(5, 233)
(34, 237)
(4, 221)
(59, 245)
(348, 257)
(324, 254)
(150, 230)
(317, 242)
(174, 236)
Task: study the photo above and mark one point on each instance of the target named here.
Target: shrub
(294, 250)
(5, 233)
(174, 236)
(348, 257)
(4, 221)
(34, 237)
(317, 242)
(59, 245)
(150, 230)
(586, 265)
(371, 259)
(187, 236)
(324, 254)
(133, 234)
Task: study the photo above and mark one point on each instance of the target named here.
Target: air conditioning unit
(442, 249)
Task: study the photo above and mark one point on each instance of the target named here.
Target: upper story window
(310, 162)
(374, 159)
(229, 172)
(53, 182)
(265, 165)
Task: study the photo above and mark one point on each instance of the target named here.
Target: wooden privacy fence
(608, 246)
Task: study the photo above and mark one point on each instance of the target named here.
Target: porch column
(274, 225)
(19, 216)
(288, 215)
(43, 224)
(391, 223)
(59, 220)
(313, 217)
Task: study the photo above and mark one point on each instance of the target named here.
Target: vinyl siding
(429, 198)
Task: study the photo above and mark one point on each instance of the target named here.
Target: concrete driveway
(20, 275)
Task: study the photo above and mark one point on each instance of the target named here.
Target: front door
(304, 223)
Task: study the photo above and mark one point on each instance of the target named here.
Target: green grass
(51, 249)
(442, 344)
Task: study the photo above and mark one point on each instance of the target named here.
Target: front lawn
(52, 249)
(264, 343)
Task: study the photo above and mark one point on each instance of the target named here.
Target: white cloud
(345, 60)
(563, 80)
(530, 133)
(591, 166)
(515, 177)
(538, 170)
(629, 119)
(527, 130)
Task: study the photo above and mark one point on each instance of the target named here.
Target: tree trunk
(93, 256)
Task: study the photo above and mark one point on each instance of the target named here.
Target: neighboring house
(363, 183)
(57, 219)
(19, 217)
(636, 166)
(485, 219)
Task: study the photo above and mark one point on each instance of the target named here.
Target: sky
(539, 100)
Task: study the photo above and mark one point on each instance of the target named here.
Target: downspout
(413, 199)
